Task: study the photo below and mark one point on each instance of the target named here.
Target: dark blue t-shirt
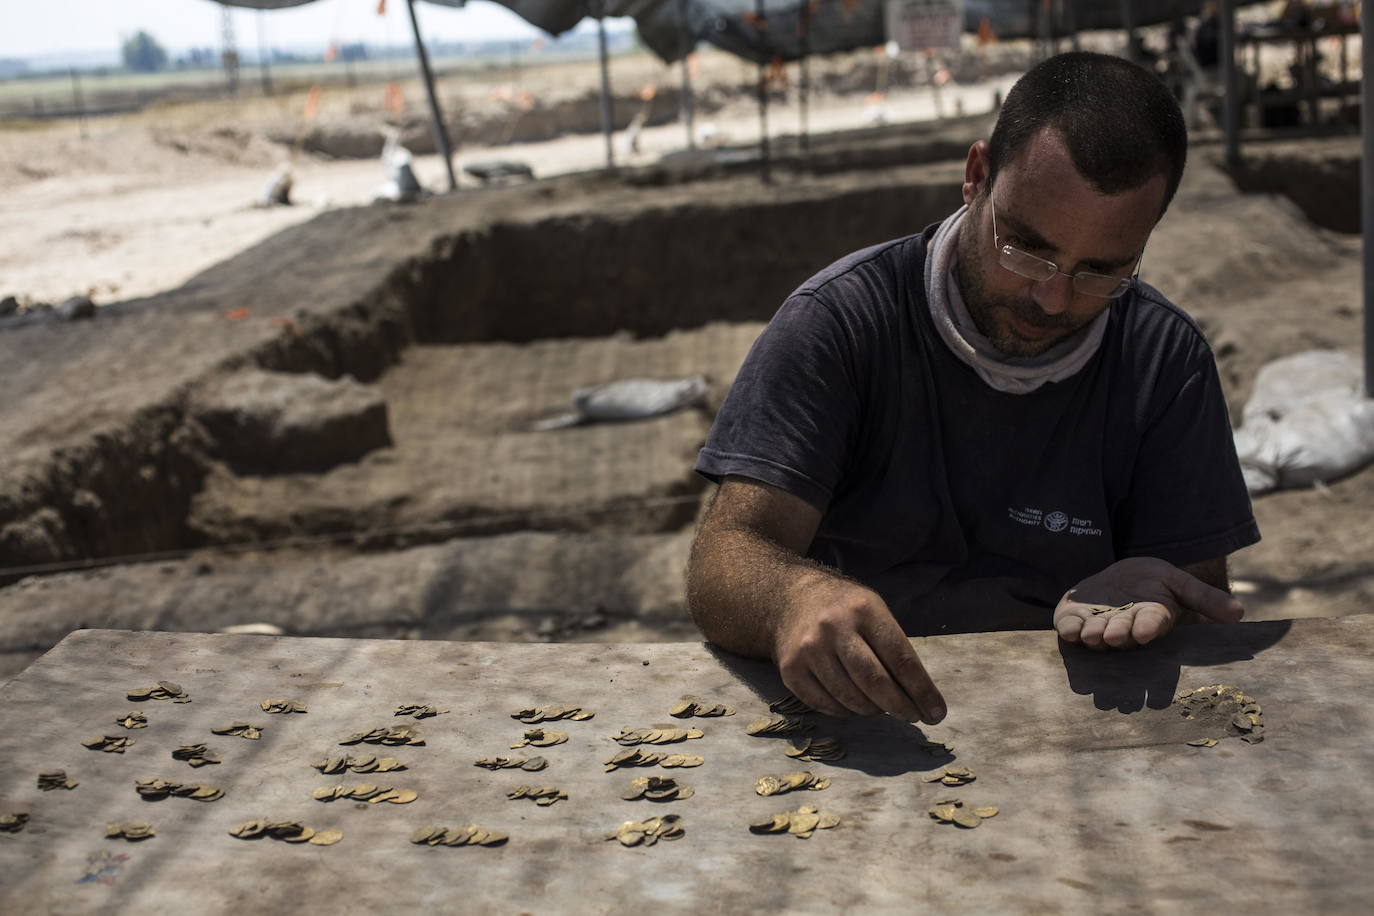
(965, 507)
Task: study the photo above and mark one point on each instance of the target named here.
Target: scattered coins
(657, 734)
(162, 690)
(283, 706)
(401, 734)
(789, 706)
(1203, 742)
(650, 831)
(467, 835)
(111, 744)
(129, 831)
(158, 789)
(419, 712)
(820, 749)
(537, 714)
(1100, 610)
(13, 823)
(365, 763)
(540, 738)
(133, 720)
(635, 757)
(777, 725)
(937, 748)
(656, 788)
(952, 811)
(530, 764)
(1243, 715)
(777, 785)
(543, 796)
(690, 706)
(366, 792)
(951, 776)
(288, 831)
(57, 779)
(801, 823)
(197, 755)
(240, 730)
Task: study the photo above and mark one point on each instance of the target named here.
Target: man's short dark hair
(1121, 125)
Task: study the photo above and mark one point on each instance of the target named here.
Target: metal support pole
(436, 119)
(607, 117)
(1367, 196)
(804, 90)
(760, 16)
(685, 103)
(1230, 110)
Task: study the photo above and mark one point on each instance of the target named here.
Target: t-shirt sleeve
(1188, 501)
(791, 414)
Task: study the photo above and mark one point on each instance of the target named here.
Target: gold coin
(967, 819)
(303, 837)
(403, 796)
(326, 838)
(986, 812)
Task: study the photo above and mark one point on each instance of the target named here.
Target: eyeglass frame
(1004, 252)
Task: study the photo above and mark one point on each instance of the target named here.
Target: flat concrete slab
(1103, 806)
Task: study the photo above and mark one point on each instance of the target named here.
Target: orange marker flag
(381, 7)
(312, 104)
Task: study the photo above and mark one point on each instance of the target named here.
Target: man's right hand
(840, 650)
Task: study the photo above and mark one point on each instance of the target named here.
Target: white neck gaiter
(961, 335)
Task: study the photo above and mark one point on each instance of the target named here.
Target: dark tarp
(671, 28)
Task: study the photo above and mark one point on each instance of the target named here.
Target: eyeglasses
(1025, 264)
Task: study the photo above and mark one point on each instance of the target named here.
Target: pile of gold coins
(789, 706)
(288, 831)
(690, 706)
(801, 823)
(111, 744)
(778, 785)
(529, 764)
(656, 788)
(951, 776)
(418, 711)
(952, 811)
(401, 734)
(283, 706)
(543, 796)
(197, 755)
(133, 720)
(777, 725)
(648, 832)
(538, 737)
(57, 779)
(819, 749)
(1243, 715)
(365, 763)
(132, 832)
(158, 789)
(366, 792)
(537, 714)
(468, 835)
(13, 823)
(657, 734)
(240, 730)
(162, 690)
(634, 757)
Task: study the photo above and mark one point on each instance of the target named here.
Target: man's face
(1046, 208)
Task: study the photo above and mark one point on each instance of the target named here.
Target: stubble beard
(991, 311)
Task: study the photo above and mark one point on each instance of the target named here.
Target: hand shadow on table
(875, 745)
(1129, 680)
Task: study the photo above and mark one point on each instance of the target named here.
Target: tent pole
(264, 69)
(436, 119)
(1230, 112)
(766, 173)
(1367, 197)
(607, 122)
(686, 103)
(805, 88)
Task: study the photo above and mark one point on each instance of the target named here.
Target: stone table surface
(1104, 808)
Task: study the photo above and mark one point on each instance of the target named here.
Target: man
(993, 424)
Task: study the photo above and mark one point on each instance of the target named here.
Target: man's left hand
(1137, 600)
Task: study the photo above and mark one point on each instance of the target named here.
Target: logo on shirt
(1055, 521)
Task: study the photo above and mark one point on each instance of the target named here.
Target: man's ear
(975, 170)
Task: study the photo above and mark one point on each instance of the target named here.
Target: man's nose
(1055, 295)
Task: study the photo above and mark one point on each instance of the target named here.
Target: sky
(34, 28)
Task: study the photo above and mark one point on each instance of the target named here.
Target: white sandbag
(629, 399)
(1307, 421)
(401, 184)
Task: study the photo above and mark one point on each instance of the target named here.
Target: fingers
(872, 676)
(1151, 622)
(1210, 602)
(810, 691)
(1069, 627)
(906, 673)
(834, 673)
